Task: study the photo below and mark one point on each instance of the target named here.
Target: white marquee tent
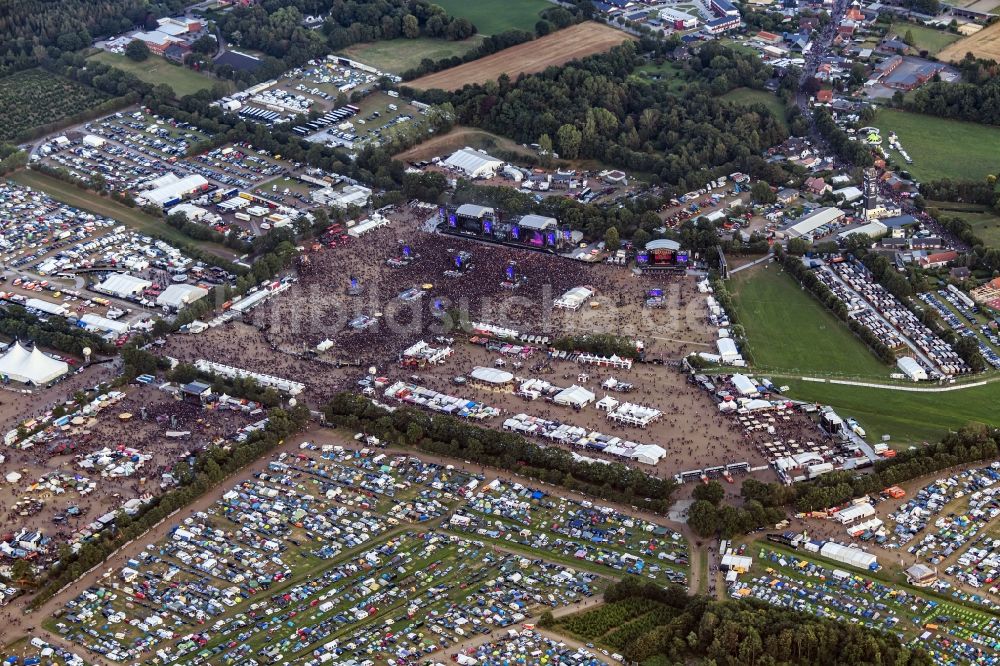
(32, 367)
(574, 396)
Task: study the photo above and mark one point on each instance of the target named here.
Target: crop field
(344, 552)
(925, 39)
(155, 70)
(790, 331)
(398, 55)
(942, 148)
(35, 97)
(984, 44)
(494, 16)
(557, 48)
(750, 96)
(907, 416)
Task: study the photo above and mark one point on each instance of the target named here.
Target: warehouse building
(808, 224)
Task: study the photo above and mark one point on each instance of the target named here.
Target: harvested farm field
(557, 48)
(984, 44)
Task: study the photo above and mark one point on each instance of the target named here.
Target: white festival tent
(31, 367)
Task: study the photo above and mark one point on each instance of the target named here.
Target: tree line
(449, 436)
(53, 333)
(975, 98)
(741, 632)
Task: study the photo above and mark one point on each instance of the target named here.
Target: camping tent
(32, 367)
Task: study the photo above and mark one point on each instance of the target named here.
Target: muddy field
(557, 48)
(281, 337)
(984, 44)
(153, 413)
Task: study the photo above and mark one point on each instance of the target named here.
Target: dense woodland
(976, 98)
(32, 31)
(594, 109)
(737, 632)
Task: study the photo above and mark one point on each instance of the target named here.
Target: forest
(696, 629)
(32, 31)
(594, 109)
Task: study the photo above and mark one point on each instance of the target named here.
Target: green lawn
(924, 39)
(908, 417)
(670, 74)
(494, 16)
(751, 96)
(986, 225)
(941, 148)
(133, 217)
(398, 55)
(791, 332)
(155, 70)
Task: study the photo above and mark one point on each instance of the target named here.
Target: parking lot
(330, 551)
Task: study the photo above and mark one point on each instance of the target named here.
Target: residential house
(817, 186)
(938, 259)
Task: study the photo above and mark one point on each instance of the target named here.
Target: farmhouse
(473, 163)
(938, 259)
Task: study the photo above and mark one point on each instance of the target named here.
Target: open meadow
(494, 16)
(557, 48)
(156, 70)
(925, 39)
(791, 332)
(34, 97)
(399, 55)
(942, 148)
(907, 416)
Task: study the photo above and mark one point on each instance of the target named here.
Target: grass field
(34, 97)
(751, 96)
(494, 16)
(942, 148)
(558, 48)
(156, 70)
(908, 417)
(790, 331)
(669, 74)
(984, 222)
(925, 39)
(399, 55)
(133, 217)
